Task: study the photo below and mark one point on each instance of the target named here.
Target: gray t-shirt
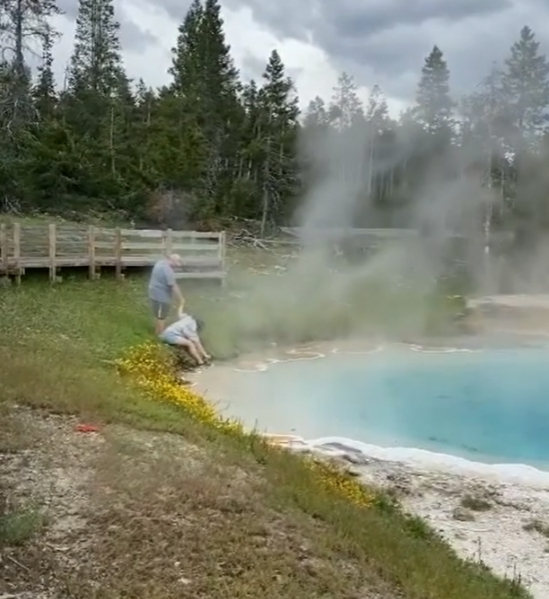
(184, 327)
(162, 282)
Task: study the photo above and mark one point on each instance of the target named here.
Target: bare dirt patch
(144, 514)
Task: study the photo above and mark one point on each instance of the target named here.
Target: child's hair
(199, 324)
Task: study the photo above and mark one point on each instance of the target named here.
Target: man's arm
(178, 295)
(176, 292)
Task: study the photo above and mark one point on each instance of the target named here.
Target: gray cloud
(326, 18)
(378, 41)
(133, 37)
(252, 67)
(386, 41)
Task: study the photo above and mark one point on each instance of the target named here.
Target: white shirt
(184, 327)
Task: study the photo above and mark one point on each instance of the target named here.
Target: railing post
(91, 252)
(17, 252)
(52, 237)
(118, 252)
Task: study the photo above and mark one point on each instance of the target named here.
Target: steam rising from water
(318, 287)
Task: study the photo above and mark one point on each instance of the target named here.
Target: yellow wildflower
(154, 373)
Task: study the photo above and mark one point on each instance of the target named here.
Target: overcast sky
(376, 41)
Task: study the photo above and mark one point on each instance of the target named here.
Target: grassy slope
(55, 347)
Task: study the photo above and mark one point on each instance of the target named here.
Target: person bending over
(163, 289)
(185, 333)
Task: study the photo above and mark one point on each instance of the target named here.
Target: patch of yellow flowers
(341, 482)
(154, 373)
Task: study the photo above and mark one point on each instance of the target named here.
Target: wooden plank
(91, 252)
(213, 274)
(188, 261)
(203, 253)
(196, 235)
(71, 262)
(158, 234)
(17, 252)
(195, 247)
(118, 252)
(127, 260)
(143, 245)
(104, 245)
(52, 242)
(201, 261)
(44, 262)
(147, 233)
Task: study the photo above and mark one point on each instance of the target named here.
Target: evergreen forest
(209, 147)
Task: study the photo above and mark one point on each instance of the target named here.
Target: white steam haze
(448, 218)
(322, 297)
(405, 259)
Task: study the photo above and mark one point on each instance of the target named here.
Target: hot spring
(489, 405)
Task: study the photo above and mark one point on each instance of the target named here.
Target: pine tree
(343, 150)
(377, 117)
(206, 82)
(220, 73)
(377, 110)
(23, 25)
(278, 93)
(202, 68)
(346, 109)
(185, 68)
(277, 134)
(434, 104)
(312, 136)
(525, 84)
(316, 115)
(45, 97)
(95, 63)
(98, 105)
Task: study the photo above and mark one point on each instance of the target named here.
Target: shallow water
(491, 406)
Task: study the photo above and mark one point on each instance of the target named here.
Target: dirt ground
(136, 514)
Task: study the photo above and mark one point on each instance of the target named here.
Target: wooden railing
(57, 246)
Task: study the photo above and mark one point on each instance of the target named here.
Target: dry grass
(205, 529)
(194, 514)
(538, 526)
(476, 503)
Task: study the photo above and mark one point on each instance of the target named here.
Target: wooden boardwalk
(57, 246)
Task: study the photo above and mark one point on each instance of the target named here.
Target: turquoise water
(491, 406)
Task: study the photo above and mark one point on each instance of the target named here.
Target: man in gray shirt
(163, 288)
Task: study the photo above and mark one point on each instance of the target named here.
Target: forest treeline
(209, 146)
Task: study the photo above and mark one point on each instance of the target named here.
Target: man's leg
(200, 349)
(161, 312)
(159, 326)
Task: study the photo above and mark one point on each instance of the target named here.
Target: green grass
(57, 344)
(16, 528)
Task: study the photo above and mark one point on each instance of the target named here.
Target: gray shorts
(171, 338)
(160, 309)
